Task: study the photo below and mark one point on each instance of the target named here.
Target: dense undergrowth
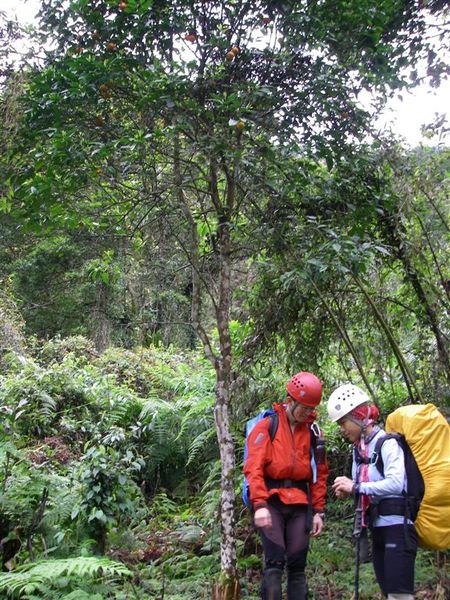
(109, 484)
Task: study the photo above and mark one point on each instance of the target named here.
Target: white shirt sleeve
(393, 482)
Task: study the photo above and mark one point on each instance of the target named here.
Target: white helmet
(344, 399)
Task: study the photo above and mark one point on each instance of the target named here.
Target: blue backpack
(273, 427)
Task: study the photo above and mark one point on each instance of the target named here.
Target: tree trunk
(222, 418)
(231, 591)
(406, 372)
(101, 323)
(346, 339)
(430, 317)
(227, 497)
(228, 586)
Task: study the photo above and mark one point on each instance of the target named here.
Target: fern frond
(17, 584)
(8, 448)
(153, 407)
(28, 578)
(200, 409)
(212, 481)
(82, 595)
(48, 404)
(60, 508)
(198, 444)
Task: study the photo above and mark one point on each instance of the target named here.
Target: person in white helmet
(394, 539)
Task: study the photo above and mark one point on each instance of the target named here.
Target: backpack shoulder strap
(273, 427)
(377, 459)
(315, 434)
(269, 412)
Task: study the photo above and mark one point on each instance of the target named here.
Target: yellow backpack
(428, 435)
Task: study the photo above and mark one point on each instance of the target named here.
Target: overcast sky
(404, 117)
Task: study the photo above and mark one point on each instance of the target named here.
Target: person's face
(298, 412)
(349, 429)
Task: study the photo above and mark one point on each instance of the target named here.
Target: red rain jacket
(286, 457)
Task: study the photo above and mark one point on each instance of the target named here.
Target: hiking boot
(271, 584)
(297, 588)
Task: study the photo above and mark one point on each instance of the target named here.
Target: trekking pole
(356, 595)
(357, 529)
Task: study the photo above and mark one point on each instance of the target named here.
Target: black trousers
(394, 549)
(287, 541)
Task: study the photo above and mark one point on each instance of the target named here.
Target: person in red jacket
(287, 479)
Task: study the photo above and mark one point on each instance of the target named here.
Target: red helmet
(305, 388)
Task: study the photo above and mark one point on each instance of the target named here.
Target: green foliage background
(124, 444)
(159, 199)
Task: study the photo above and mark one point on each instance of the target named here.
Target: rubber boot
(271, 584)
(297, 588)
(400, 597)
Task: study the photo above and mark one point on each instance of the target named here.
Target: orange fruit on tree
(235, 50)
(111, 46)
(240, 125)
(123, 5)
(190, 37)
(229, 56)
(104, 90)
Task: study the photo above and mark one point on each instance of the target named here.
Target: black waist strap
(391, 506)
(406, 506)
(300, 484)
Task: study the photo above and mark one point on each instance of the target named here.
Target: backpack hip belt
(301, 484)
(394, 506)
